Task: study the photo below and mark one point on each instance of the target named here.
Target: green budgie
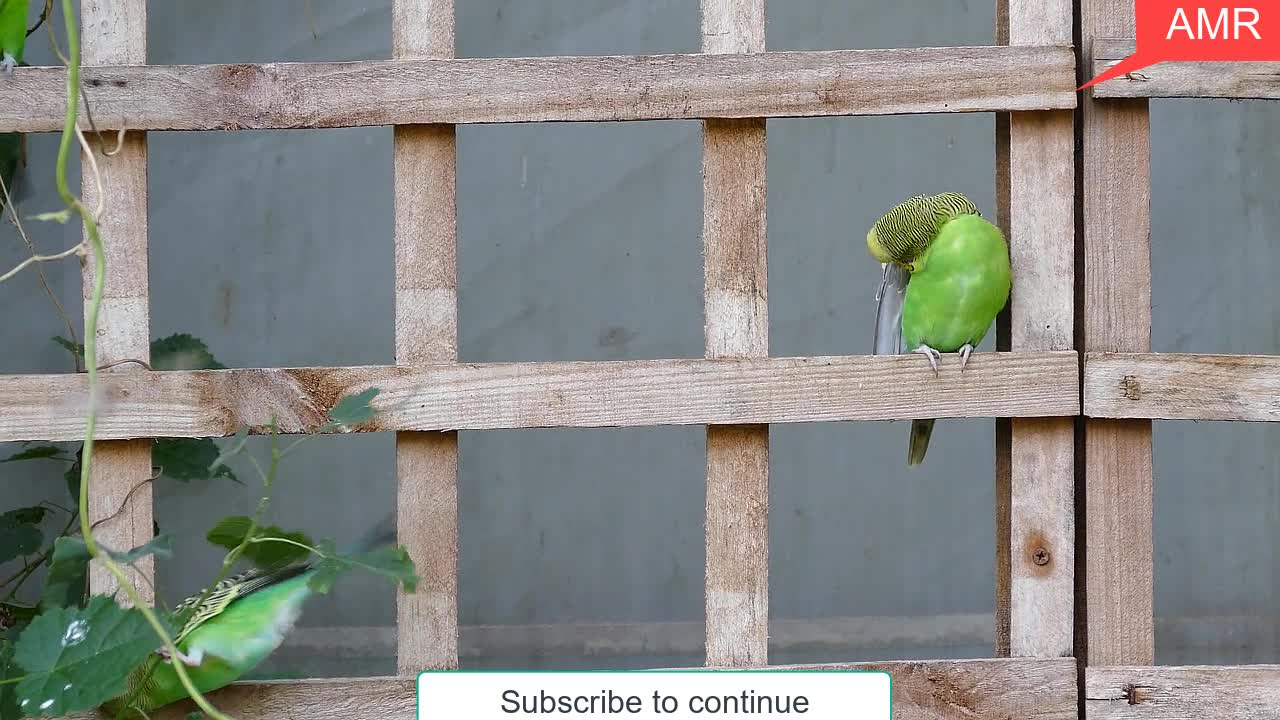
(242, 621)
(13, 38)
(946, 277)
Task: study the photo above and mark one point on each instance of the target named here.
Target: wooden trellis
(737, 390)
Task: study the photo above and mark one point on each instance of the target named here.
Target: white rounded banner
(655, 695)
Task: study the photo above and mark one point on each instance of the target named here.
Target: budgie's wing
(893, 289)
(227, 592)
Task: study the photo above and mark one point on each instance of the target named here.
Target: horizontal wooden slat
(1175, 386)
(725, 391)
(510, 90)
(1236, 80)
(1244, 692)
(994, 689)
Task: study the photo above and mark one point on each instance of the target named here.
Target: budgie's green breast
(233, 641)
(13, 27)
(959, 288)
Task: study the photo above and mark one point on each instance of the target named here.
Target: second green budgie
(243, 620)
(946, 276)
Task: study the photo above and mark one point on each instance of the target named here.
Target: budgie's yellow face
(877, 250)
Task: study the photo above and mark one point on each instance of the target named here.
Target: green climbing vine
(67, 651)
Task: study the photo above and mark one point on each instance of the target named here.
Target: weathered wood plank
(1116, 181)
(511, 90)
(1004, 426)
(728, 391)
(736, 309)
(1178, 386)
(1234, 80)
(116, 32)
(990, 689)
(426, 238)
(1246, 692)
(1041, 224)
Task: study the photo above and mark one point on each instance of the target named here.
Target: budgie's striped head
(904, 233)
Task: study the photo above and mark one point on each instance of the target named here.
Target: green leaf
(58, 216)
(75, 348)
(8, 670)
(160, 546)
(237, 444)
(182, 352)
(187, 459)
(37, 452)
(33, 515)
(195, 715)
(390, 562)
(78, 658)
(231, 531)
(354, 409)
(64, 584)
(18, 538)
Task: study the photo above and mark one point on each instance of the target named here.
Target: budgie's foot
(7, 63)
(188, 660)
(934, 357)
(965, 351)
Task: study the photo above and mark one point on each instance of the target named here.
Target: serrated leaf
(64, 584)
(33, 515)
(231, 531)
(232, 449)
(160, 546)
(182, 352)
(18, 538)
(76, 659)
(36, 452)
(187, 459)
(75, 348)
(354, 409)
(390, 562)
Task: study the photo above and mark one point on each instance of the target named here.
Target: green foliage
(9, 670)
(160, 546)
(188, 459)
(233, 531)
(353, 410)
(389, 562)
(231, 450)
(182, 352)
(76, 349)
(64, 585)
(77, 658)
(59, 216)
(37, 452)
(20, 533)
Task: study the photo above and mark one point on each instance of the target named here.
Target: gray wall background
(582, 242)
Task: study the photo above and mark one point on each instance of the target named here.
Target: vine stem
(70, 130)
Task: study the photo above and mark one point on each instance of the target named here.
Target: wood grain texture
(1246, 692)
(426, 328)
(1233, 80)
(1003, 435)
(1177, 386)
(464, 396)
(991, 689)
(1039, 218)
(736, 311)
(1116, 181)
(512, 90)
(116, 33)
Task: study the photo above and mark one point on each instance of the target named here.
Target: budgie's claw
(7, 63)
(187, 660)
(933, 355)
(965, 351)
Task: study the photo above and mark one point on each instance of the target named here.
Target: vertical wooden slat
(737, 325)
(114, 32)
(1116, 178)
(426, 331)
(1040, 187)
(1004, 426)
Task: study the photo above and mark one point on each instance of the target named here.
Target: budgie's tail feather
(921, 430)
